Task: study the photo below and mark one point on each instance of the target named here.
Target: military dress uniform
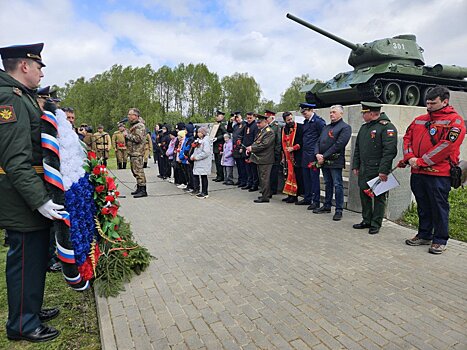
(277, 155)
(262, 154)
(136, 139)
(121, 152)
(102, 144)
(375, 149)
(23, 191)
(147, 150)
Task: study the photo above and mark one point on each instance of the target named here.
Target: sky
(87, 37)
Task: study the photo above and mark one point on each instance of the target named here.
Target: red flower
(125, 254)
(109, 198)
(110, 183)
(113, 210)
(100, 188)
(86, 270)
(117, 193)
(91, 155)
(98, 169)
(105, 211)
(119, 239)
(369, 192)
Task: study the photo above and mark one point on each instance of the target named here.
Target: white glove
(49, 210)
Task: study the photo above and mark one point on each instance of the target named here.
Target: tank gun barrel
(344, 42)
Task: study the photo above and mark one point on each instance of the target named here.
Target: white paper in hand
(383, 186)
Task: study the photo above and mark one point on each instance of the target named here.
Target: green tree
(240, 92)
(292, 95)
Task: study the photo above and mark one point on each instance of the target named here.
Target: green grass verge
(77, 321)
(457, 215)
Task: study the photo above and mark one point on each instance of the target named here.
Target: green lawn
(77, 320)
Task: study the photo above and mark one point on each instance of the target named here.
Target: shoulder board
(383, 122)
(268, 129)
(17, 91)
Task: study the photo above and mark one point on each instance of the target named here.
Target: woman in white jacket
(202, 157)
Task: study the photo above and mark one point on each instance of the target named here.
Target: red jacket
(435, 138)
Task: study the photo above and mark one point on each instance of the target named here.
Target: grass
(77, 321)
(457, 215)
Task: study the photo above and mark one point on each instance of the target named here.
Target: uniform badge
(17, 91)
(373, 134)
(268, 129)
(390, 132)
(7, 114)
(454, 134)
(433, 131)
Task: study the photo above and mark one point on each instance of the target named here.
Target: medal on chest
(433, 131)
(373, 134)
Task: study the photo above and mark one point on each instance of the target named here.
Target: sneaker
(322, 210)
(417, 241)
(171, 180)
(181, 186)
(188, 190)
(337, 216)
(201, 196)
(437, 248)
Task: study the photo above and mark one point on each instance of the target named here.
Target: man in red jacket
(431, 144)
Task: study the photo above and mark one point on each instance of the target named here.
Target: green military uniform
(217, 137)
(148, 149)
(262, 154)
(375, 149)
(101, 145)
(23, 192)
(121, 152)
(135, 142)
(277, 156)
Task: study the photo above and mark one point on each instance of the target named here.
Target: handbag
(456, 175)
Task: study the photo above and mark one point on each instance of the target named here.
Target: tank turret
(389, 70)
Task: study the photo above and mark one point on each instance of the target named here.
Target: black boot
(142, 192)
(119, 165)
(124, 165)
(145, 164)
(136, 191)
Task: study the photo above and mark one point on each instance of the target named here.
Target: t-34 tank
(390, 71)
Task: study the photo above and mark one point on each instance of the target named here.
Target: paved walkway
(232, 274)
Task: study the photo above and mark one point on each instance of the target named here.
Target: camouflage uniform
(121, 152)
(135, 142)
(102, 144)
(148, 149)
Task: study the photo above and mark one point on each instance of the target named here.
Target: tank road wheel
(392, 93)
(378, 88)
(411, 95)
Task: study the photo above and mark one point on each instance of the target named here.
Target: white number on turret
(398, 46)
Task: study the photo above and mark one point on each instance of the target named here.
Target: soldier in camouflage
(135, 139)
(119, 145)
(148, 149)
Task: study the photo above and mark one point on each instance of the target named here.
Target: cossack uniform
(102, 144)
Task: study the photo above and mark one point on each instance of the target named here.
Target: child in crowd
(202, 163)
(170, 153)
(227, 160)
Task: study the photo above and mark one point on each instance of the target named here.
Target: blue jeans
(311, 184)
(333, 180)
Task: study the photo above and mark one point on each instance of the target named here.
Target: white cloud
(238, 36)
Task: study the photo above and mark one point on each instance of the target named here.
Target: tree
(292, 96)
(240, 92)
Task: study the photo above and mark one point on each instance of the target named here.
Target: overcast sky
(86, 37)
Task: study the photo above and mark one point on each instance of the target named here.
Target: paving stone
(286, 279)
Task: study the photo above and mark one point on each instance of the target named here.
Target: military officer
(217, 137)
(148, 150)
(135, 140)
(375, 149)
(119, 145)
(102, 144)
(262, 154)
(274, 125)
(27, 210)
